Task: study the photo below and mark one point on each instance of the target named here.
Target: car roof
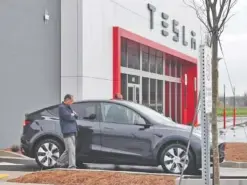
(82, 101)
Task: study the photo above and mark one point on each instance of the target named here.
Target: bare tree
(214, 14)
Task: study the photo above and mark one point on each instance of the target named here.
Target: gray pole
(204, 122)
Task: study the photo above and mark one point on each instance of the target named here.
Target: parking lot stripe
(3, 176)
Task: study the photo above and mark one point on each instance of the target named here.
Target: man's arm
(66, 115)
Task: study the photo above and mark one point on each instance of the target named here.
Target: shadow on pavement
(23, 168)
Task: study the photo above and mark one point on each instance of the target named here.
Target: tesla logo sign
(165, 24)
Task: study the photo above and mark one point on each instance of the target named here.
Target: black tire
(80, 164)
(191, 167)
(51, 142)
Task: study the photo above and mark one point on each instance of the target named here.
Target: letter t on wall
(151, 9)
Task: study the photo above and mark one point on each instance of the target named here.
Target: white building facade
(106, 44)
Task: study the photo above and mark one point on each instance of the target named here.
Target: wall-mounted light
(46, 17)
(185, 79)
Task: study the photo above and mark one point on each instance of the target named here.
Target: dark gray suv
(114, 132)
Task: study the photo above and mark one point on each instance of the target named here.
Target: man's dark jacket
(67, 121)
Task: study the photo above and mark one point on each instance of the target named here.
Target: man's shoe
(60, 166)
(72, 168)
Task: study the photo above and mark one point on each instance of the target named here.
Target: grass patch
(229, 111)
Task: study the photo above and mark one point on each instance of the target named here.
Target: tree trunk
(214, 129)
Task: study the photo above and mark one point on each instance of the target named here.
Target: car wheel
(173, 159)
(47, 153)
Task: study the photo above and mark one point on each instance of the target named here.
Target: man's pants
(69, 155)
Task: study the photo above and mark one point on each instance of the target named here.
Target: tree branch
(231, 4)
(196, 8)
(222, 5)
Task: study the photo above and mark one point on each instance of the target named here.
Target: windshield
(160, 118)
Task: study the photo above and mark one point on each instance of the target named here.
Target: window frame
(97, 109)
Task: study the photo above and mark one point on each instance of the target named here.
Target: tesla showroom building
(145, 49)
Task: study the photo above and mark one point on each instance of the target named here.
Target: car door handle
(108, 128)
(158, 135)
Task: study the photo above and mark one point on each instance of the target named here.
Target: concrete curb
(16, 160)
(231, 164)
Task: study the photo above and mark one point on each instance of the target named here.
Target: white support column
(204, 119)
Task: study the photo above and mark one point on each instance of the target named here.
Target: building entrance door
(134, 93)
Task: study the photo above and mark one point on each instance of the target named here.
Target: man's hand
(75, 115)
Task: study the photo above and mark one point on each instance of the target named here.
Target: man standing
(69, 129)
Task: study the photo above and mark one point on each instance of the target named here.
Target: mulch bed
(94, 178)
(236, 152)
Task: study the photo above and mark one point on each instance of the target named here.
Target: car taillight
(26, 122)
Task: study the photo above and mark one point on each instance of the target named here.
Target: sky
(234, 43)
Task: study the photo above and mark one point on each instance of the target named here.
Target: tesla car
(114, 132)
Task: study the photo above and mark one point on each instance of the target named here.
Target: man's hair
(68, 97)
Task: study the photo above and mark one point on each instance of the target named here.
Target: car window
(158, 117)
(114, 113)
(53, 111)
(86, 111)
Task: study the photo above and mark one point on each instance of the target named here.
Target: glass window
(114, 113)
(160, 109)
(159, 63)
(124, 86)
(152, 91)
(130, 93)
(173, 68)
(137, 95)
(133, 79)
(159, 54)
(168, 66)
(178, 70)
(85, 110)
(145, 58)
(145, 91)
(160, 118)
(133, 54)
(160, 92)
(152, 63)
(123, 52)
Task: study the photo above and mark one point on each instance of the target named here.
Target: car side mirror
(91, 117)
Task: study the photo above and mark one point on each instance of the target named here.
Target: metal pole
(234, 107)
(195, 98)
(185, 94)
(224, 111)
(204, 118)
